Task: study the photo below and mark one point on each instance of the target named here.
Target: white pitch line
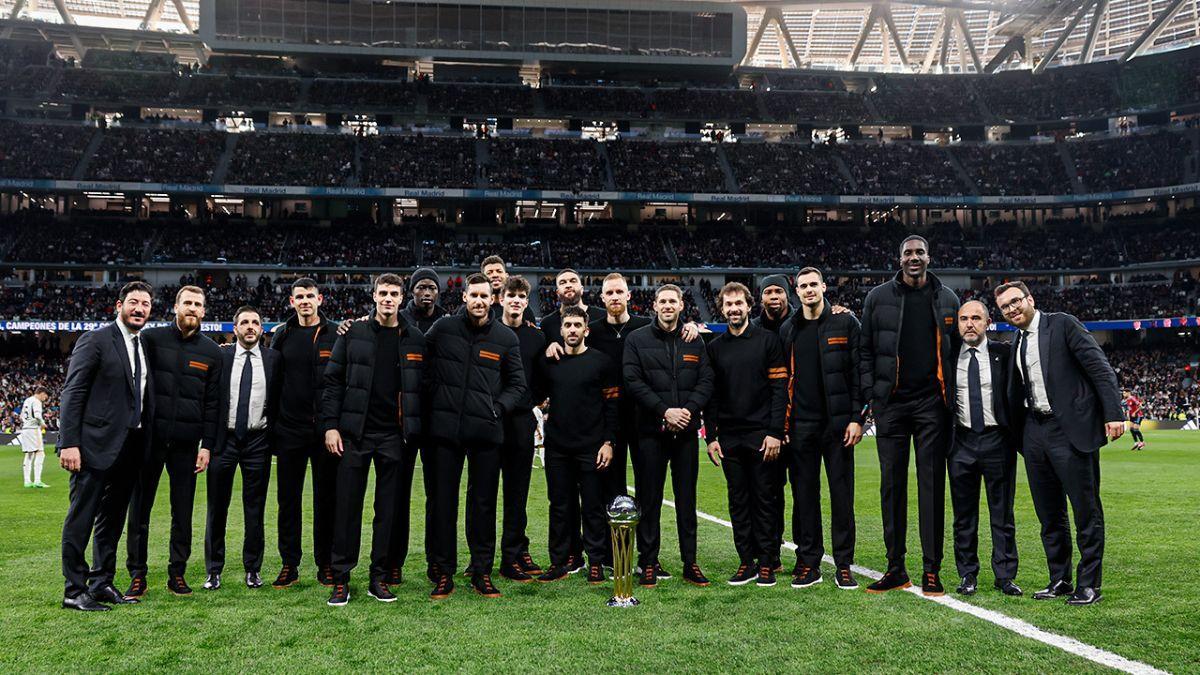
(1023, 628)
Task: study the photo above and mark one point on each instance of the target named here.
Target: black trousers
(1059, 473)
(429, 476)
(576, 491)
(386, 450)
(294, 453)
(483, 482)
(516, 467)
(985, 457)
(925, 422)
(253, 455)
(179, 459)
(810, 444)
(99, 500)
(751, 484)
(401, 527)
(616, 478)
(681, 453)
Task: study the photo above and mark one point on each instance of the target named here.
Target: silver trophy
(623, 516)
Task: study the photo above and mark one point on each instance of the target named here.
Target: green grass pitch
(1149, 612)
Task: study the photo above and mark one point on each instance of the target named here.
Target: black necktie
(975, 391)
(137, 386)
(1025, 369)
(241, 422)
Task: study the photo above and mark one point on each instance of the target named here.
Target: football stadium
(582, 336)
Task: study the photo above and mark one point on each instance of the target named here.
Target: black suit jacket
(1080, 383)
(999, 360)
(271, 361)
(98, 398)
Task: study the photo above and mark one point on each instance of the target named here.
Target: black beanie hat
(779, 280)
(423, 273)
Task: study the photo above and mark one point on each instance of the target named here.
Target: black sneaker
(931, 584)
(845, 579)
(177, 585)
(482, 583)
(553, 573)
(528, 566)
(379, 590)
(340, 596)
(288, 575)
(595, 574)
(137, 588)
(660, 572)
(395, 577)
(745, 574)
(442, 588)
(804, 576)
(574, 564)
(693, 575)
(513, 572)
(892, 581)
(648, 579)
(766, 576)
(325, 575)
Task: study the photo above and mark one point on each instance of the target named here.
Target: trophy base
(622, 602)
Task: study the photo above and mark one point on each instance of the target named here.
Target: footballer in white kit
(33, 421)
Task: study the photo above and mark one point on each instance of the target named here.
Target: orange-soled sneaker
(595, 574)
(693, 575)
(288, 576)
(482, 583)
(931, 585)
(893, 580)
(513, 572)
(137, 588)
(528, 566)
(395, 577)
(177, 585)
(648, 578)
(325, 575)
(442, 588)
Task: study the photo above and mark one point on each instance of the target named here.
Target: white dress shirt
(257, 419)
(963, 387)
(1033, 359)
(140, 355)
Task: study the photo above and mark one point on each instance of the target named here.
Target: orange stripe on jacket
(491, 356)
(199, 365)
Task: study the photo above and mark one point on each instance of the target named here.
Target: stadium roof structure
(925, 36)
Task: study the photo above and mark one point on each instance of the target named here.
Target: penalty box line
(1018, 626)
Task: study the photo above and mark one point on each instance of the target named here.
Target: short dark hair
(576, 312)
(476, 278)
(1020, 285)
(517, 284)
(735, 287)
(243, 309)
(810, 270)
(40, 390)
(387, 279)
(304, 282)
(492, 260)
(668, 287)
(563, 271)
(915, 237)
(134, 287)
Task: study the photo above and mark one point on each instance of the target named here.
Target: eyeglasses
(1013, 304)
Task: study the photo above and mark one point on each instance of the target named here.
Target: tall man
(107, 405)
(744, 424)
(496, 271)
(1067, 405)
(248, 402)
(569, 289)
(372, 413)
(584, 384)
(33, 423)
(907, 325)
(516, 454)
(671, 380)
(186, 367)
(305, 343)
(825, 417)
(982, 448)
(474, 378)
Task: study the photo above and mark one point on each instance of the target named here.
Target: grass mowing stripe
(1023, 628)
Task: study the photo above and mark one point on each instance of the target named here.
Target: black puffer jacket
(473, 377)
(187, 385)
(351, 370)
(882, 314)
(662, 371)
(322, 348)
(422, 323)
(838, 337)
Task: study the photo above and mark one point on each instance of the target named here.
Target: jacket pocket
(95, 421)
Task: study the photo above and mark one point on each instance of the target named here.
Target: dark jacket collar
(797, 315)
(661, 334)
(934, 283)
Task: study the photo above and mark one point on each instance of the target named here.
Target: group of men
(776, 397)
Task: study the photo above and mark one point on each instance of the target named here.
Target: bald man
(981, 449)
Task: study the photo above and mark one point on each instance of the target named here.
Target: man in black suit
(106, 407)
(981, 448)
(1067, 405)
(248, 397)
